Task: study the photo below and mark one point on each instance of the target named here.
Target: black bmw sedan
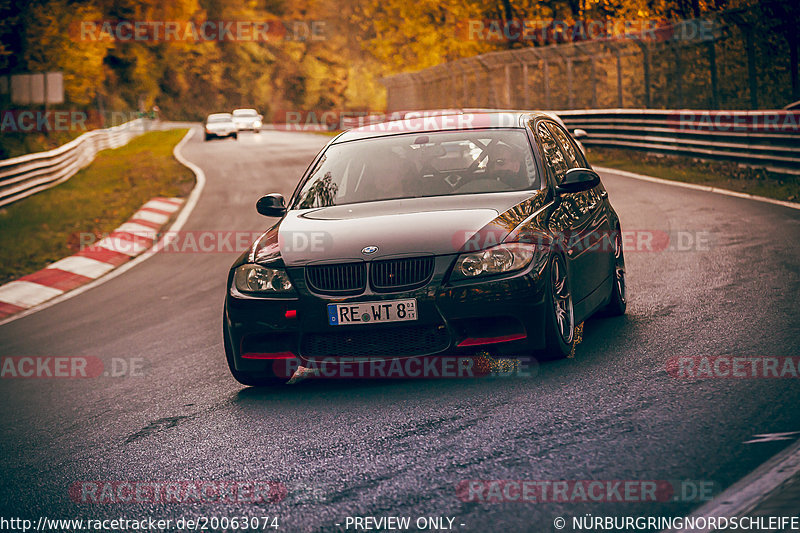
(453, 234)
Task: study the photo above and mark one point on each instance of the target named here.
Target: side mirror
(579, 133)
(271, 205)
(578, 180)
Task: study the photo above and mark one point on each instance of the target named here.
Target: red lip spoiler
(478, 341)
(273, 356)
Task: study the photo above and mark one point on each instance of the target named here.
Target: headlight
(258, 279)
(257, 124)
(496, 260)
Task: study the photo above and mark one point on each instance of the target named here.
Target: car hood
(419, 226)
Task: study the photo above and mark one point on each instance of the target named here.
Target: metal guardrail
(765, 139)
(26, 175)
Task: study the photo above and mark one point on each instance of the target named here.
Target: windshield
(219, 118)
(419, 165)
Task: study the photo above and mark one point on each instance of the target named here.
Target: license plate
(372, 312)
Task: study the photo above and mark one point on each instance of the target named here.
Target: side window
(553, 158)
(572, 153)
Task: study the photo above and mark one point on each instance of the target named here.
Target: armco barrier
(23, 176)
(767, 139)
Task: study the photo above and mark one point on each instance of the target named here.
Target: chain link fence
(737, 59)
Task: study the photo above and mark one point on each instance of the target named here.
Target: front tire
(560, 315)
(250, 379)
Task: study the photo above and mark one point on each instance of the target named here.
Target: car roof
(219, 115)
(248, 109)
(441, 120)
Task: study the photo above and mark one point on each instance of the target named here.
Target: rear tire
(235, 136)
(559, 314)
(207, 136)
(251, 379)
(617, 303)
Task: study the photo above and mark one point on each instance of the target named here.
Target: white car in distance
(247, 119)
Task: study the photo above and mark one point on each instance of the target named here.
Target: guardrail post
(525, 85)
(618, 55)
(712, 65)
(678, 72)
(449, 86)
(752, 76)
(507, 72)
(570, 98)
(619, 80)
(747, 30)
(546, 74)
(793, 66)
(646, 66)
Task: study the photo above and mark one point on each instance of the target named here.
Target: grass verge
(331, 133)
(46, 226)
(722, 174)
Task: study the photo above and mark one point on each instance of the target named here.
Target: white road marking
(138, 229)
(770, 437)
(158, 218)
(162, 206)
(122, 245)
(27, 293)
(85, 266)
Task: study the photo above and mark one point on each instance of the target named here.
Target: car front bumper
(221, 133)
(500, 316)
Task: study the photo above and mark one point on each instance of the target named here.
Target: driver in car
(507, 164)
(390, 173)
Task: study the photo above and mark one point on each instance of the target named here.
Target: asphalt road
(399, 448)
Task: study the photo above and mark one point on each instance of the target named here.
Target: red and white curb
(127, 241)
